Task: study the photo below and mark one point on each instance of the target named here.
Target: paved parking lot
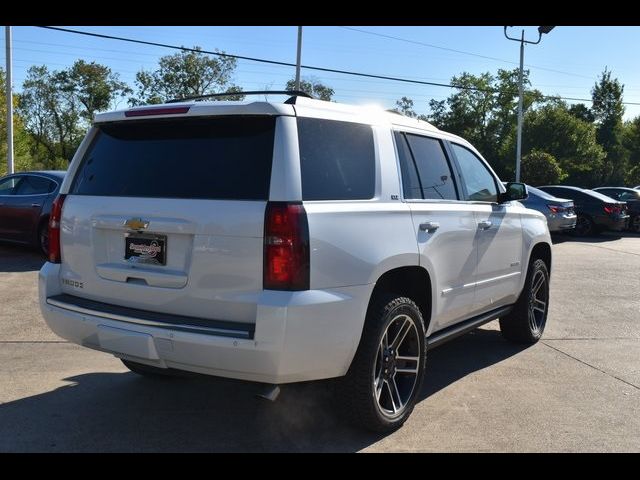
(576, 390)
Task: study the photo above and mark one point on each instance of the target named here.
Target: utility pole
(7, 30)
(520, 102)
(541, 30)
(298, 58)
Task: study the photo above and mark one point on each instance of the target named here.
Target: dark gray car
(25, 204)
(559, 211)
(631, 197)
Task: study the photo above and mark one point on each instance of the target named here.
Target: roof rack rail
(293, 93)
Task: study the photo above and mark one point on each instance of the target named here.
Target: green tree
(313, 87)
(58, 107)
(631, 142)
(95, 86)
(582, 112)
(186, 74)
(484, 111)
(541, 168)
(22, 159)
(52, 117)
(608, 109)
(552, 129)
(404, 106)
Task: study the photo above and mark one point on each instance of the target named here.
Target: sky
(567, 62)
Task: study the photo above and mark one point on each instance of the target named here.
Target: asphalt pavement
(578, 389)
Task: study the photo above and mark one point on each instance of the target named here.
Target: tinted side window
(556, 192)
(33, 185)
(581, 196)
(226, 158)
(410, 181)
(571, 194)
(337, 160)
(7, 186)
(433, 168)
(611, 193)
(480, 184)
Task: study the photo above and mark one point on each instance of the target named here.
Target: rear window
(337, 160)
(599, 196)
(226, 158)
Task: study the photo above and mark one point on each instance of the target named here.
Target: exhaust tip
(270, 393)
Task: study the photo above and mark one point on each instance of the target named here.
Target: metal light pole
(298, 58)
(522, 41)
(7, 31)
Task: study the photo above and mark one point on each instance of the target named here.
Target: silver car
(560, 213)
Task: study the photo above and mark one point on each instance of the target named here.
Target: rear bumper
(298, 336)
(616, 223)
(559, 223)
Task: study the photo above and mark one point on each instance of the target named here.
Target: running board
(454, 331)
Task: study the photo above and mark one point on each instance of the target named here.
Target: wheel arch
(541, 250)
(411, 281)
(42, 223)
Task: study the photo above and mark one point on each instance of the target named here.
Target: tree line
(561, 143)
(573, 144)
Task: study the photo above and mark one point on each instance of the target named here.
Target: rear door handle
(35, 205)
(429, 226)
(485, 224)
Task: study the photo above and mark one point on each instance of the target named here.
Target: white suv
(286, 242)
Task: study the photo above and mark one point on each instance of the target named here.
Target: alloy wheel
(397, 365)
(538, 300)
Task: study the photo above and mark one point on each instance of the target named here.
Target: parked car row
(26, 199)
(586, 212)
(595, 212)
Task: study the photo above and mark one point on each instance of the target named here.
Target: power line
(627, 88)
(165, 45)
(415, 42)
(263, 60)
(308, 67)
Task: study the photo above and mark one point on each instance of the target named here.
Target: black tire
(357, 390)
(526, 322)
(584, 226)
(43, 237)
(150, 371)
(634, 224)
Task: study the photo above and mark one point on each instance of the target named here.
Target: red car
(25, 204)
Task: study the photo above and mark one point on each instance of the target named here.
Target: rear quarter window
(226, 158)
(337, 160)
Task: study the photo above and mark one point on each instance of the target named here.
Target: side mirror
(515, 191)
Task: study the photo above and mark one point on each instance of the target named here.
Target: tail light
(286, 247)
(612, 208)
(556, 208)
(54, 229)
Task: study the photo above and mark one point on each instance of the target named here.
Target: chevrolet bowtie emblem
(136, 224)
